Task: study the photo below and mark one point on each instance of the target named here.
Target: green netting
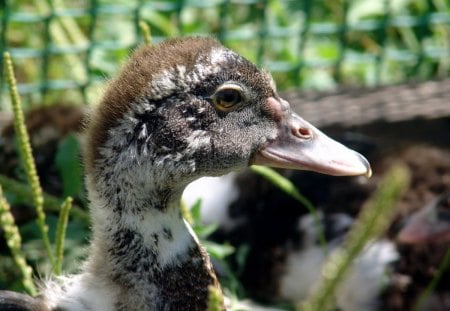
(64, 50)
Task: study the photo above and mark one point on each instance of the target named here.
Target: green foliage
(145, 29)
(217, 251)
(61, 230)
(445, 263)
(202, 230)
(14, 242)
(12, 234)
(68, 163)
(19, 193)
(308, 44)
(215, 299)
(75, 244)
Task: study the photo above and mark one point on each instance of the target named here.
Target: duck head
(190, 107)
(428, 225)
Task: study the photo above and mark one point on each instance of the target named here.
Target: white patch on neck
(93, 290)
(170, 249)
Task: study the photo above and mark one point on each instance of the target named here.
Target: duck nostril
(302, 132)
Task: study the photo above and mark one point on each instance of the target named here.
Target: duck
(178, 110)
(365, 278)
(385, 275)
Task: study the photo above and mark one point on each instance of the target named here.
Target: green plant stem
(432, 285)
(373, 220)
(26, 154)
(145, 28)
(14, 241)
(288, 187)
(61, 230)
(51, 203)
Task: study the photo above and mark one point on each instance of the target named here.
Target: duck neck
(143, 247)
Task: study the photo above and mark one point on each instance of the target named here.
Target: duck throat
(148, 254)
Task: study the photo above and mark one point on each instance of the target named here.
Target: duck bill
(299, 145)
(431, 224)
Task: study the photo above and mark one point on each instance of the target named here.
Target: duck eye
(227, 98)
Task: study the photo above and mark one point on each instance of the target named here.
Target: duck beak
(430, 224)
(299, 145)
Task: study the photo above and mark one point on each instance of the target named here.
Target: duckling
(178, 110)
(386, 275)
(362, 284)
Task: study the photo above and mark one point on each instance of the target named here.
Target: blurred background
(373, 74)
(70, 47)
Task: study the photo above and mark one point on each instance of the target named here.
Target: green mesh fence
(64, 50)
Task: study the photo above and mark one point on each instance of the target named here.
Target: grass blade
(61, 229)
(432, 285)
(145, 29)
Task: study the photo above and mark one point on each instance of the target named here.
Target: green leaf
(195, 211)
(204, 231)
(218, 251)
(241, 257)
(69, 166)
